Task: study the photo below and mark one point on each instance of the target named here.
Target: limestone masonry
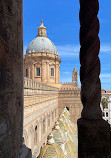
(44, 96)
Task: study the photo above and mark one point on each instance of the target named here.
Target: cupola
(42, 30)
(51, 150)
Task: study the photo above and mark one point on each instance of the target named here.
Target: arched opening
(41, 149)
(35, 136)
(52, 116)
(44, 126)
(48, 120)
(67, 108)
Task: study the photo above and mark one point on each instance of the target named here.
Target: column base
(93, 139)
(25, 152)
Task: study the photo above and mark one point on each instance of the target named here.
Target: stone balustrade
(30, 84)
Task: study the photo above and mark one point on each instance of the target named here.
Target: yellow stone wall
(70, 99)
(44, 61)
(40, 111)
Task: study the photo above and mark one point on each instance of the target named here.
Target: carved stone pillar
(11, 79)
(44, 72)
(93, 131)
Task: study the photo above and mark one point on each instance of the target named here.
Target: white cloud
(66, 73)
(68, 50)
(105, 78)
(105, 48)
(73, 50)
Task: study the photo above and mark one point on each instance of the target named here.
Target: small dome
(72, 134)
(62, 125)
(58, 134)
(51, 150)
(65, 119)
(66, 113)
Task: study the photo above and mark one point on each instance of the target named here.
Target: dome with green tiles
(66, 113)
(65, 124)
(62, 124)
(71, 126)
(51, 150)
(72, 149)
(58, 134)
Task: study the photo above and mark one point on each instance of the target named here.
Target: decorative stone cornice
(44, 55)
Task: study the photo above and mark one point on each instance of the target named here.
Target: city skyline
(62, 22)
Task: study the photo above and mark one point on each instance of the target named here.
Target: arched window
(26, 72)
(55, 113)
(38, 71)
(67, 108)
(49, 120)
(43, 126)
(35, 136)
(52, 71)
(52, 116)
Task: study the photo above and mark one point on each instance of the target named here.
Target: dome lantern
(42, 30)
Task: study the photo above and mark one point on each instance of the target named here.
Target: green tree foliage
(105, 103)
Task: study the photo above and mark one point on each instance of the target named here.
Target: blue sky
(61, 17)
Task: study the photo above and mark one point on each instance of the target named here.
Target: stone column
(33, 72)
(93, 131)
(57, 72)
(11, 79)
(44, 72)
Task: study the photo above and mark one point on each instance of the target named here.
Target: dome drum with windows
(41, 60)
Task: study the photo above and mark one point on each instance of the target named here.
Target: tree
(105, 103)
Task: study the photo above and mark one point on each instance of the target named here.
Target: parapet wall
(40, 113)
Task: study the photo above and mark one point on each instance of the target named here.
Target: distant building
(107, 110)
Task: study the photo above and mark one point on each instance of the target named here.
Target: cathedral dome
(41, 43)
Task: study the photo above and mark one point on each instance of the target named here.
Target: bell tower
(75, 77)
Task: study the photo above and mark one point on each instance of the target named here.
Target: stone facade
(107, 110)
(69, 96)
(41, 62)
(45, 61)
(71, 99)
(40, 113)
